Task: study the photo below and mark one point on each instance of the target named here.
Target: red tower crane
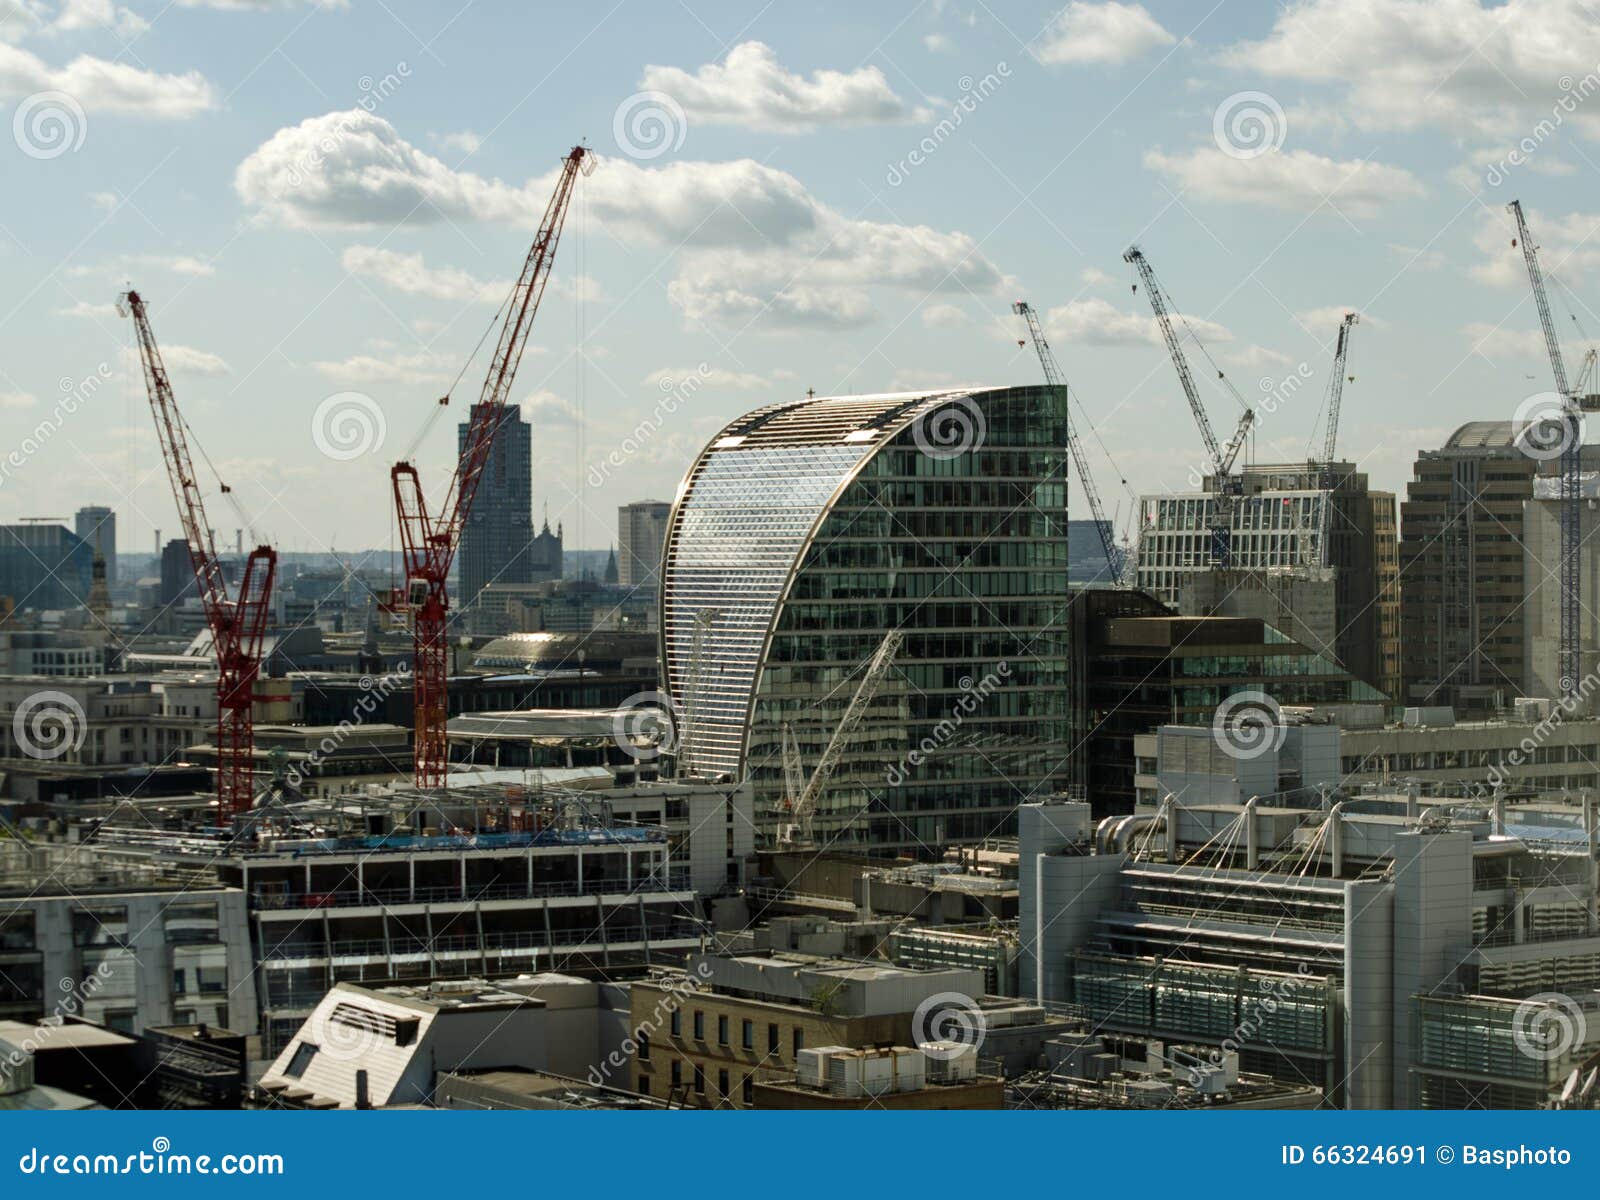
(238, 625)
(428, 543)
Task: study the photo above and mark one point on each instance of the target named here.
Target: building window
(677, 1073)
(699, 1080)
(772, 1039)
(722, 1031)
(644, 1085)
(644, 1047)
(799, 1040)
(699, 1026)
(300, 1060)
(747, 1033)
(677, 1023)
(748, 1090)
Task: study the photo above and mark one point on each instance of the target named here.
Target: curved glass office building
(808, 530)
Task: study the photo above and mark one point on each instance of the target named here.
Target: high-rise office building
(1464, 615)
(804, 533)
(1310, 517)
(641, 532)
(496, 542)
(177, 573)
(44, 566)
(97, 525)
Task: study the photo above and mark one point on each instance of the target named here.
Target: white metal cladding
(745, 513)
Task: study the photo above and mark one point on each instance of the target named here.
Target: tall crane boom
(1336, 385)
(805, 804)
(1222, 457)
(1571, 444)
(428, 544)
(1115, 557)
(237, 626)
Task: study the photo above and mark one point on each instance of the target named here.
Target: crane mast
(1116, 556)
(1221, 457)
(429, 543)
(1571, 466)
(237, 626)
(1336, 385)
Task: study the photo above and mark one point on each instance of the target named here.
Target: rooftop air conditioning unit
(950, 1062)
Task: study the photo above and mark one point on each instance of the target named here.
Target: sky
(324, 203)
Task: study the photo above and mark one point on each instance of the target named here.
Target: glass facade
(804, 533)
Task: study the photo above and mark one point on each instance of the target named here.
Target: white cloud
(1101, 33)
(546, 408)
(1095, 277)
(351, 169)
(1098, 323)
(1297, 180)
(1256, 358)
(938, 43)
(84, 308)
(408, 273)
(104, 87)
(17, 400)
(750, 88)
(186, 360)
(1569, 247)
(943, 316)
(420, 367)
(1325, 321)
(465, 141)
(259, 5)
(123, 265)
(77, 16)
(750, 240)
(1490, 340)
(1459, 65)
(667, 378)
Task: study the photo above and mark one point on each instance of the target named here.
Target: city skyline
(799, 205)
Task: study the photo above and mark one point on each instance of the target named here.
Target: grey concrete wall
(1368, 993)
(1432, 932)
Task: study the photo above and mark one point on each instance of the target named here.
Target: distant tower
(611, 568)
(97, 525)
(497, 540)
(641, 532)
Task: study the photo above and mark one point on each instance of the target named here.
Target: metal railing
(674, 880)
(501, 943)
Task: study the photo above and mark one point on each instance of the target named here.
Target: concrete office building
(177, 573)
(1541, 545)
(130, 948)
(1392, 961)
(1292, 517)
(807, 530)
(641, 533)
(1464, 611)
(97, 525)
